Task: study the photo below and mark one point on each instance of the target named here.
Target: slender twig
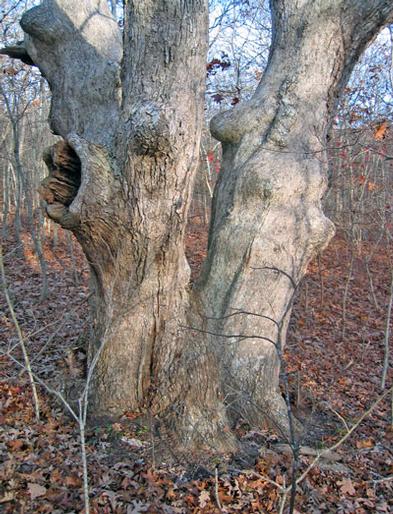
(340, 418)
(266, 479)
(345, 297)
(344, 438)
(20, 337)
(371, 282)
(216, 489)
(387, 335)
(278, 270)
(83, 402)
(379, 480)
(283, 502)
(246, 313)
(286, 490)
(82, 425)
(229, 336)
(391, 411)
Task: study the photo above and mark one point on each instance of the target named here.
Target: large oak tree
(129, 109)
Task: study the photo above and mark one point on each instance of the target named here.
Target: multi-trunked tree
(130, 113)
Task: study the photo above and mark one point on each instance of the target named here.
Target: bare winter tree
(130, 114)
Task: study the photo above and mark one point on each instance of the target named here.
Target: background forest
(338, 356)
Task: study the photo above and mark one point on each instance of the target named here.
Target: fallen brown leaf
(36, 490)
(346, 486)
(365, 443)
(15, 444)
(73, 481)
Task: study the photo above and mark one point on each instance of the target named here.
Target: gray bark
(121, 181)
(267, 217)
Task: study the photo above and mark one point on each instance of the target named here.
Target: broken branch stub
(18, 51)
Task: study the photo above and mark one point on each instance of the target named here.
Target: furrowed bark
(121, 182)
(267, 217)
(121, 177)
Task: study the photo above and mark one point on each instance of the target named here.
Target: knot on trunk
(254, 114)
(148, 129)
(225, 126)
(60, 188)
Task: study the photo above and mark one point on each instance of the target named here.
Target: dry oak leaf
(346, 486)
(171, 495)
(73, 481)
(224, 496)
(56, 476)
(365, 443)
(36, 490)
(380, 131)
(15, 444)
(8, 496)
(204, 498)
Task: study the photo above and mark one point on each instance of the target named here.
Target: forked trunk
(121, 180)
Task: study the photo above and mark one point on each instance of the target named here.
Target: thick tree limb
(18, 51)
(78, 50)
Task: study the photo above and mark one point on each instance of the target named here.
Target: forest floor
(334, 363)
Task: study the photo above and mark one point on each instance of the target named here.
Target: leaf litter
(332, 379)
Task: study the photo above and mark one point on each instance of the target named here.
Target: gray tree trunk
(267, 217)
(121, 181)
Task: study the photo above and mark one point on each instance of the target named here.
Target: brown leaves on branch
(217, 64)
